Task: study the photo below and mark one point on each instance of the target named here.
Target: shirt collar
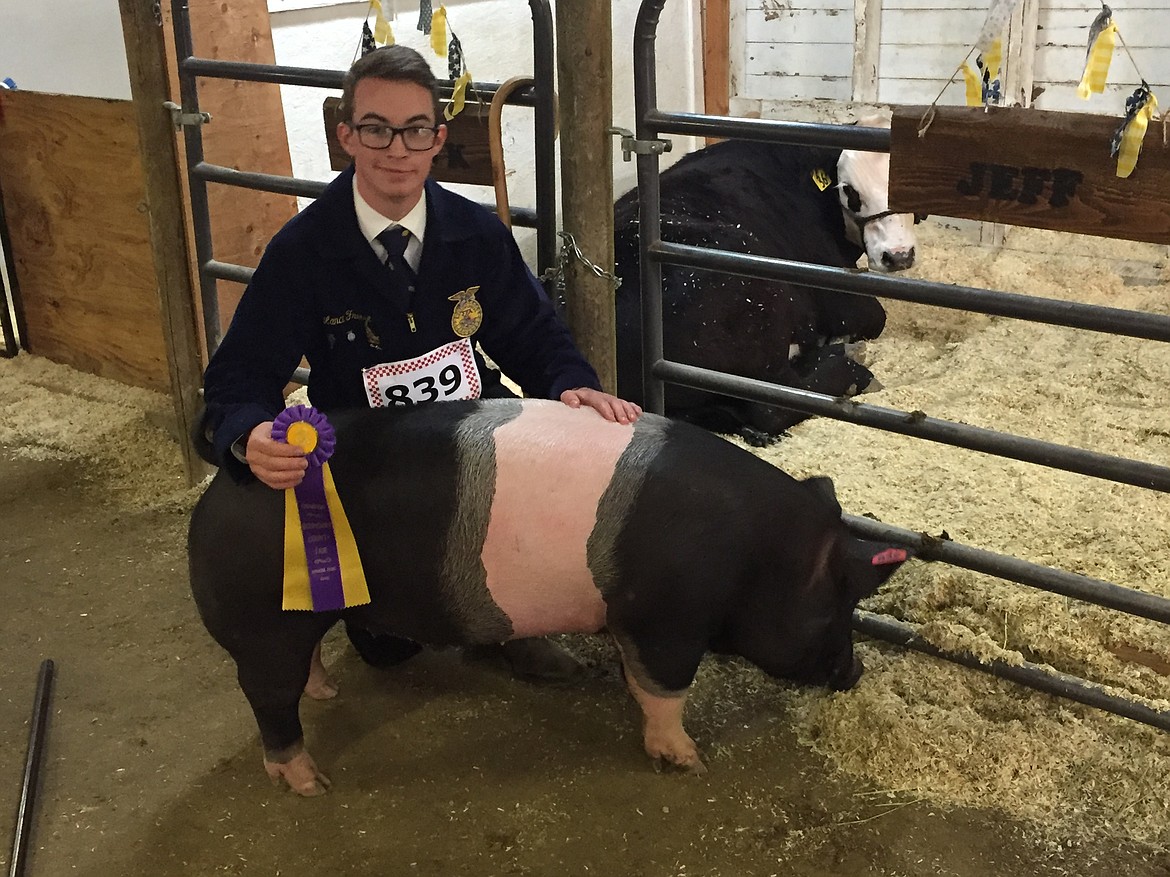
(373, 223)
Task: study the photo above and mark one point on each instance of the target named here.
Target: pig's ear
(869, 564)
(823, 487)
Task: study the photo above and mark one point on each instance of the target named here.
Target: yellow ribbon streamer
(383, 35)
(439, 31)
(1097, 64)
(974, 86)
(458, 96)
(992, 59)
(1131, 140)
(297, 592)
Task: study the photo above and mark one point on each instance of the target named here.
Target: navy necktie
(395, 240)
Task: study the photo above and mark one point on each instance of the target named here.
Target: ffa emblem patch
(468, 314)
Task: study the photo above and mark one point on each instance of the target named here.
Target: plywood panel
(74, 198)
(247, 132)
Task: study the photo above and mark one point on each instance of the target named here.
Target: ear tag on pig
(322, 569)
(821, 179)
(890, 555)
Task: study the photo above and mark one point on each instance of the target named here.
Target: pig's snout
(845, 677)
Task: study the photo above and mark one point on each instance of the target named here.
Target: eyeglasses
(416, 138)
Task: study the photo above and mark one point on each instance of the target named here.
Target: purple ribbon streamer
(320, 543)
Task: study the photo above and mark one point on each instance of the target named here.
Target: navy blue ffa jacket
(321, 292)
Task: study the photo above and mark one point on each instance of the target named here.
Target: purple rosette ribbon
(309, 429)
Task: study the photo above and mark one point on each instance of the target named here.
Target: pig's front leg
(296, 767)
(663, 735)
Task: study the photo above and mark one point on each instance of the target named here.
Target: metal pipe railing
(1034, 575)
(919, 425)
(650, 121)
(540, 97)
(1024, 673)
(1055, 312)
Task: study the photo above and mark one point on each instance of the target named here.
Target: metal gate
(540, 97)
(654, 252)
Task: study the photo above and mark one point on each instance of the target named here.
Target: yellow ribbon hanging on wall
(1097, 64)
(439, 31)
(383, 35)
(974, 86)
(1135, 134)
(458, 96)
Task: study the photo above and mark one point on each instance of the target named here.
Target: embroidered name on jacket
(353, 317)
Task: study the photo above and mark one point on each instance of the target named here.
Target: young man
(388, 268)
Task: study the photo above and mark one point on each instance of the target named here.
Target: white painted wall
(496, 36)
(64, 48)
(77, 48)
(793, 58)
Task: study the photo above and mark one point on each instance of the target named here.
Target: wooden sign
(1029, 167)
(465, 157)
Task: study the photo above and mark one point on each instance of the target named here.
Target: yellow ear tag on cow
(821, 179)
(303, 435)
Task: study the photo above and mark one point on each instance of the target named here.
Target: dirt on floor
(445, 766)
(440, 767)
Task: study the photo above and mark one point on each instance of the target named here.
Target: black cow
(807, 204)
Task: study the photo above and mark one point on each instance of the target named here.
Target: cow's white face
(864, 190)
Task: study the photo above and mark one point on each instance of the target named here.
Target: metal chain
(569, 251)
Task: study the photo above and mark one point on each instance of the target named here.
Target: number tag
(446, 373)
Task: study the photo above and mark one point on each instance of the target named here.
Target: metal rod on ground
(32, 769)
(1025, 673)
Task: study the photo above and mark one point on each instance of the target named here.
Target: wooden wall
(247, 132)
(74, 199)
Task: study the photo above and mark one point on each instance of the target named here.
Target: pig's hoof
(320, 685)
(683, 756)
(300, 773)
(694, 768)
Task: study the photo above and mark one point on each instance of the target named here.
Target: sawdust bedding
(915, 728)
(926, 728)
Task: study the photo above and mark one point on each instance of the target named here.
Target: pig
(487, 520)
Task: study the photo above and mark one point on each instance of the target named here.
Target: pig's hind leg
(663, 735)
(272, 672)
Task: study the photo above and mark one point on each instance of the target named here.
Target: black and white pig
(478, 522)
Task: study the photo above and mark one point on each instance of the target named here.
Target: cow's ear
(823, 487)
(869, 564)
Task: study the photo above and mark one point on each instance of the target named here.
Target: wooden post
(144, 35)
(716, 69)
(585, 70)
(867, 46)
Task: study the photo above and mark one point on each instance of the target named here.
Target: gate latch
(179, 119)
(631, 144)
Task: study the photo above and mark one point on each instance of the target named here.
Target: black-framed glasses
(416, 138)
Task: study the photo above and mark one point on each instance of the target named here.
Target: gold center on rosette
(303, 435)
